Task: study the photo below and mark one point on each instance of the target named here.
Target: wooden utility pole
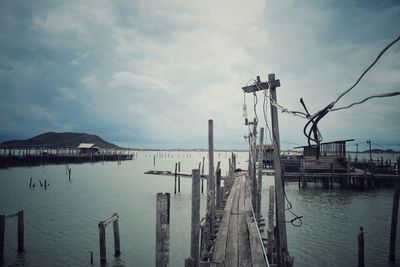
(279, 185)
(195, 229)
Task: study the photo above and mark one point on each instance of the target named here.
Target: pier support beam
(260, 167)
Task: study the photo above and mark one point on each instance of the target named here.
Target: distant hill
(59, 140)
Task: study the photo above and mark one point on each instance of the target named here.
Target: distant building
(85, 148)
(326, 156)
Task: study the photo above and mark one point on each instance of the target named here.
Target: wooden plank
(111, 219)
(243, 237)
(232, 248)
(220, 243)
(211, 180)
(257, 254)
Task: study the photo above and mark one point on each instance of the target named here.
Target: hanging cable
(367, 98)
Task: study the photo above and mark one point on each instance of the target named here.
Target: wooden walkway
(238, 241)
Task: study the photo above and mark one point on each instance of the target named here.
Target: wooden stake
(176, 167)
(117, 246)
(195, 233)
(393, 228)
(102, 240)
(162, 229)
(21, 231)
(270, 230)
(260, 166)
(2, 229)
(211, 181)
(179, 178)
(361, 248)
(218, 179)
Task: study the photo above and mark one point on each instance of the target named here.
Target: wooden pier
(239, 241)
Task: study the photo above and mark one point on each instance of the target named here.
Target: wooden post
(218, 179)
(303, 178)
(260, 166)
(2, 229)
(154, 160)
(270, 230)
(176, 166)
(393, 228)
(202, 180)
(195, 233)
(280, 201)
(179, 178)
(117, 246)
(102, 240)
(211, 181)
(202, 168)
(21, 231)
(162, 229)
(361, 248)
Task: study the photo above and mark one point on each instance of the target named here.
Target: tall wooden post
(2, 229)
(102, 240)
(279, 185)
(117, 246)
(176, 168)
(361, 248)
(260, 167)
(393, 228)
(195, 233)
(179, 178)
(202, 180)
(162, 229)
(21, 231)
(211, 181)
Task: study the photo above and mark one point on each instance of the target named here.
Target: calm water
(61, 222)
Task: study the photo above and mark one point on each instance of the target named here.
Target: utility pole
(283, 258)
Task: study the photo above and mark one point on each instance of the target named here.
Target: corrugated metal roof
(85, 145)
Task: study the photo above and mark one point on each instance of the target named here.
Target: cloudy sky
(151, 73)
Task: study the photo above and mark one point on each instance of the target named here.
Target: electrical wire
(311, 127)
(365, 72)
(367, 98)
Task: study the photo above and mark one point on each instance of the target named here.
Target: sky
(150, 74)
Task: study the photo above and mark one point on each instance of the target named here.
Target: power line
(367, 98)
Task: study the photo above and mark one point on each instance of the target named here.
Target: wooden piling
(270, 229)
(2, 229)
(361, 247)
(117, 246)
(303, 178)
(176, 167)
(20, 231)
(393, 228)
(218, 180)
(211, 180)
(179, 178)
(260, 167)
(154, 160)
(102, 240)
(162, 229)
(195, 229)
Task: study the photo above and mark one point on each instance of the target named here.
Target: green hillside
(58, 140)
